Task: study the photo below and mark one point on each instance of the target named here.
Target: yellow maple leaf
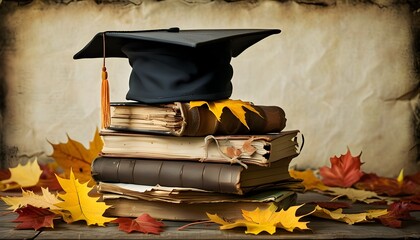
(73, 155)
(79, 204)
(235, 106)
(267, 220)
(22, 176)
(349, 218)
(46, 200)
(310, 181)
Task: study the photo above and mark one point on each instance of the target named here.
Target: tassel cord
(105, 99)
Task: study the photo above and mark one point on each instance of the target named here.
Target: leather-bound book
(216, 177)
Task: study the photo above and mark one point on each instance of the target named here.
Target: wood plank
(7, 227)
(321, 229)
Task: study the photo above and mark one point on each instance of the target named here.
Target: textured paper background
(341, 73)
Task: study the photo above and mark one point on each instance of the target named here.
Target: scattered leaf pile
(63, 191)
(345, 178)
(68, 199)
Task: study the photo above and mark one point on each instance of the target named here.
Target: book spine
(223, 178)
(200, 121)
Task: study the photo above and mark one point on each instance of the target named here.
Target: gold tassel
(105, 105)
(105, 108)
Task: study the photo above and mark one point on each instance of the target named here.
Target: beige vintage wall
(343, 73)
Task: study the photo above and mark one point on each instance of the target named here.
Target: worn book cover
(126, 206)
(242, 149)
(217, 177)
(186, 195)
(178, 119)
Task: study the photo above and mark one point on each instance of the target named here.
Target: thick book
(178, 119)
(231, 208)
(217, 177)
(184, 195)
(243, 149)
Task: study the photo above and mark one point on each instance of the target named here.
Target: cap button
(174, 29)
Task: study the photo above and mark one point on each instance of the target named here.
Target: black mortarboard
(176, 65)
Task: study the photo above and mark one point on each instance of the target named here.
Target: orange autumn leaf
(235, 106)
(344, 171)
(267, 220)
(310, 181)
(73, 155)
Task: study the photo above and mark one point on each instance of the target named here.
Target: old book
(244, 149)
(181, 194)
(217, 177)
(179, 119)
(125, 206)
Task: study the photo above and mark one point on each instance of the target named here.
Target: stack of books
(175, 162)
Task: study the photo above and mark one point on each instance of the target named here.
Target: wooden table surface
(321, 229)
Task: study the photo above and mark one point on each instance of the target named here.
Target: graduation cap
(171, 64)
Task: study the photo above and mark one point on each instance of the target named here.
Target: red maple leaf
(31, 217)
(144, 223)
(397, 212)
(344, 171)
